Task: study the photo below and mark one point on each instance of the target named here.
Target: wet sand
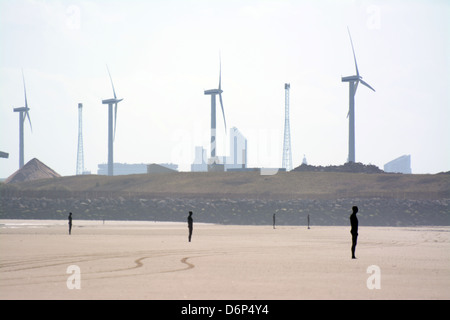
(148, 260)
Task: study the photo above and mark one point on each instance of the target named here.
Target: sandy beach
(154, 260)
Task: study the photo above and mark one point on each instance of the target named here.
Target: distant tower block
(80, 155)
(287, 153)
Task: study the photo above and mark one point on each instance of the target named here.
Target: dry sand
(148, 260)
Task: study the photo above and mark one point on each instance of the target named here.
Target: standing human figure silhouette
(190, 225)
(354, 229)
(274, 220)
(70, 223)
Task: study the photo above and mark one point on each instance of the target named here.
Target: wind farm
(255, 63)
(217, 162)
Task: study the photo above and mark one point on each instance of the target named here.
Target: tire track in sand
(183, 260)
(114, 273)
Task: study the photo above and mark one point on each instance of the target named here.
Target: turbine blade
(367, 85)
(354, 56)
(115, 121)
(223, 112)
(220, 72)
(24, 90)
(29, 120)
(114, 91)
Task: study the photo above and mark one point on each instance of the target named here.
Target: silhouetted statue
(70, 222)
(190, 225)
(274, 220)
(354, 229)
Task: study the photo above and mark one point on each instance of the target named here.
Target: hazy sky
(163, 54)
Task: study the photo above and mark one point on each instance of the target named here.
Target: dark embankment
(236, 198)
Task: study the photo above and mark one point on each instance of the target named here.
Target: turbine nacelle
(111, 101)
(351, 78)
(357, 79)
(213, 91)
(21, 109)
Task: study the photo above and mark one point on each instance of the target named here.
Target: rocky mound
(32, 170)
(352, 167)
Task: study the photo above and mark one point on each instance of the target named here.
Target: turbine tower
(213, 93)
(287, 153)
(353, 85)
(111, 134)
(80, 155)
(23, 113)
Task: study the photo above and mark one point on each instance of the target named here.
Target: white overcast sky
(163, 54)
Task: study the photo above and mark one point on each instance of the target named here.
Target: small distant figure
(70, 223)
(354, 229)
(190, 225)
(274, 220)
(308, 221)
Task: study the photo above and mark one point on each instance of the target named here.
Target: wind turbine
(111, 134)
(353, 85)
(23, 113)
(213, 93)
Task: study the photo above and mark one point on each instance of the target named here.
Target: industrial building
(238, 151)
(200, 164)
(399, 165)
(237, 160)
